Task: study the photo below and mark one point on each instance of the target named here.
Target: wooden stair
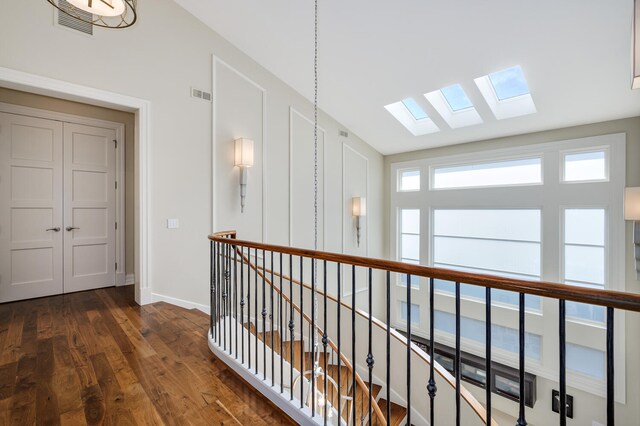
(398, 412)
(303, 362)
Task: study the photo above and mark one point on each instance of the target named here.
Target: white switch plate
(173, 223)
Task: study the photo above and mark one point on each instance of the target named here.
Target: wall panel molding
(216, 61)
(292, 114)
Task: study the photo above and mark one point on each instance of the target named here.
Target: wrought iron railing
(332, 389)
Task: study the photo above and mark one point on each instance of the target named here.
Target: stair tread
(398, 412)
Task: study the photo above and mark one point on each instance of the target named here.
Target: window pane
(520, 225)
(510, 172)
(585, 360)
(501, 337)
(509, 83)
(497, 296)
(585, 264)
(416, 111)
(411, 246)
(415, 312)
(584, 226)
(409, 180)
(585, 311)
(456, 97)
(410, 221)
(491, 256)
(585, 166)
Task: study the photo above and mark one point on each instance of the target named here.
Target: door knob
(56, 229)
(70, 228)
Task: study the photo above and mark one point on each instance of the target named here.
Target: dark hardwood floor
(98, 358)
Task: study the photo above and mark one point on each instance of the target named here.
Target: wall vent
(73, 23)
(201, 94)
(343, 133)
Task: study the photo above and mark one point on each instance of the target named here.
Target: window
(415, 312)
(501, 337)
(409, 180)
(415, 109)
(456, 97)
(496, 242)
(509, 83)
(507, 93)
(563, 222)
(410, 241)
(584, 257)
(454, 106)
(527, 171)
(585, 166)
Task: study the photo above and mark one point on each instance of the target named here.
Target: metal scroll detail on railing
(343, 396)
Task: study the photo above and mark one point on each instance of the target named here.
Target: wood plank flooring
(97, 357)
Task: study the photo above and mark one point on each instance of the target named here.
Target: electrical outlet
(555, 403)
(173, 223)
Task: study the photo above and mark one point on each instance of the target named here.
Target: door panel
(30, 206)
(89, 207)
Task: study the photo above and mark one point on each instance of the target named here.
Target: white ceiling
(576, 56)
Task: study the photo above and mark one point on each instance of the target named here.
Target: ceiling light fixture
(101, 13)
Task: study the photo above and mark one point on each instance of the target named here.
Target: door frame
(120, 175)
(19, 80)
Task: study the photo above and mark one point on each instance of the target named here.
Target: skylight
(509, 83)
(415, 110)
(456, 97)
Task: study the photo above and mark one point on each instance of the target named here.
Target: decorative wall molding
(215, 62)
(292, 112)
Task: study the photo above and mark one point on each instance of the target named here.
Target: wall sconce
(632, 212)
(358, 209)
(244, 160)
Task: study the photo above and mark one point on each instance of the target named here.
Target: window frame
(551, 196)
(607, 165)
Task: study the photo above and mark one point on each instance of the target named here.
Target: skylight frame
(505, 108)
(416, 127)
(454, 118)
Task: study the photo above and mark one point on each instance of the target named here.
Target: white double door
(57, 207)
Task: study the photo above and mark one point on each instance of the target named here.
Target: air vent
(73, 23)
(201, 94)
(343, 134)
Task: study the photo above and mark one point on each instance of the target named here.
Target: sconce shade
(243, 152)
(632, 203)
(359, 206)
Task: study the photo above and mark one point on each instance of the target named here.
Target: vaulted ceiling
(575, 54)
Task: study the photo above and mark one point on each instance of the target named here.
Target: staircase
(303, 361)
(315, 356)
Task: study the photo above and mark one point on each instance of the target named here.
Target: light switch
(173, 223)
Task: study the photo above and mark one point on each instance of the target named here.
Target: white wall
(159, 59)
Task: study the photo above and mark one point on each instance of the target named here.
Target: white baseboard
(179, 302)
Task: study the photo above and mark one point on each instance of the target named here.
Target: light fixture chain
(315, 176)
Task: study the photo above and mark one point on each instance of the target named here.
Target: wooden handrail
(608, 298)
(345, 362)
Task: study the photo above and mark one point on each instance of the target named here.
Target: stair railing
(224, 304)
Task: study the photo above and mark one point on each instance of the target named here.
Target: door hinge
(116, 225)
(116, 266)
(115, 143)
(116, 184)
